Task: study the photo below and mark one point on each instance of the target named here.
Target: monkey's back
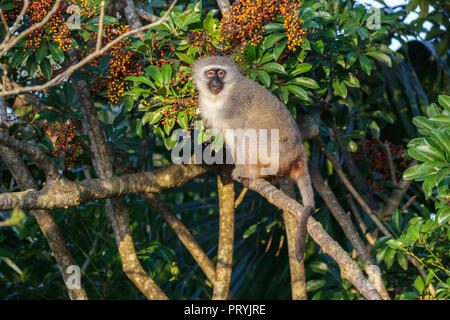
(258, 109)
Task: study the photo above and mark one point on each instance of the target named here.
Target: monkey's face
(215, 80)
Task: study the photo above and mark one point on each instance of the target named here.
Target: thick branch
(132, 17)
(36, 154)
(349, 268)
(297, 269)
(225, 188)
(63, 193)
(224, 6)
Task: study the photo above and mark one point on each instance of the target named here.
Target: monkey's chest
(214, 114)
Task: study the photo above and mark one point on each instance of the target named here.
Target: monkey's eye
(221, 73)
(210, 73)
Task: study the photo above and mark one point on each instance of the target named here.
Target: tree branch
(45, 220)
(297, 269)
(225, 187)
(36, 154)
(116, 212)
(349, 268)
(224, 6)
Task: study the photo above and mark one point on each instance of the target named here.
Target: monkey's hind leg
(301, 177)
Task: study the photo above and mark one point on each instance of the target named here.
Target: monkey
(229, 100)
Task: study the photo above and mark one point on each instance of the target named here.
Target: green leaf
(284, 94)
(318, 46)
(301, 68)
(155, 74)
(397, 219)
(209, 24)
(182, 119)
(381, 253)
(339, 88)
(444, 101)
(186, 58)
(389, 257)
(273, 67)
(152, 117)
(17, 58)
(351, 59)
(46, 69)
(365, 64)
(380, 56)
(312, 285)
(41, 52)
(381, 241)
(419, 284)
(141, 79)
(402, 261)
(166, 73)
(352, 82)
(299, 92)
(442, 138)
(444, 216)
(279, 49)
(394, 244)
(31, 66)
(270, 40)
(57, 53)
(412, 5)
(319, 267)
(264, 77)
(423, 123)
(305, 82)
(442, 118)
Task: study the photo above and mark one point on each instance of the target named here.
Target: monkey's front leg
(241, 172)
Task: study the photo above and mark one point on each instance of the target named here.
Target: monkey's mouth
(215, 88)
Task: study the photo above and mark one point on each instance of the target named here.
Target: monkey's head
(212, 74)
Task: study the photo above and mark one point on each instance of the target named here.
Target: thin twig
(91, 56)
(100, 26)
(351, 189)
(7, 45)
(240, 198)
(391, 163)
(20, 16)
(5, 24)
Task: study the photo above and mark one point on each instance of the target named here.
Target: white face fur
(210, 103)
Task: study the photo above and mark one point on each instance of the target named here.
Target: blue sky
(411, 16)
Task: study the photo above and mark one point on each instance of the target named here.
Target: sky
(411, 16)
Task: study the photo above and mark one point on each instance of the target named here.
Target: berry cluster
(379, 161)
(244, 23)
(56, 30)
(202, 40)
(67, 145)
(122, 63)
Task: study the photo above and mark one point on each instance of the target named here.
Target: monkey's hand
(301, 233)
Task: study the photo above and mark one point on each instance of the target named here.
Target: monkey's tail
(303, 180)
